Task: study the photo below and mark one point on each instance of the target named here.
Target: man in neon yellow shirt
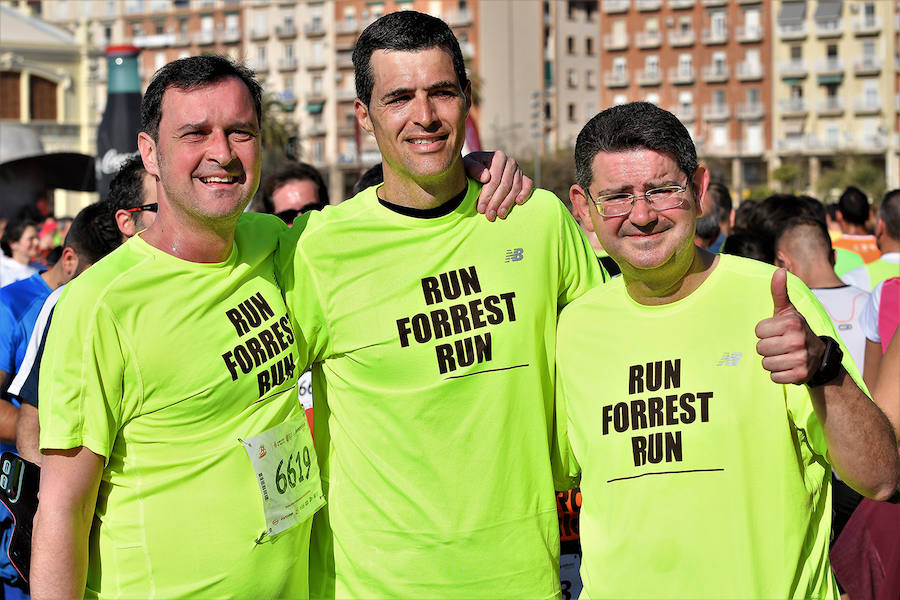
(432, 333)
(704, 474)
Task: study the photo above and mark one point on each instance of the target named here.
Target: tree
(790, 175)
(277, 130)
(860, 171)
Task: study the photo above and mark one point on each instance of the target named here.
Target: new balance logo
(515, 254)
(729, 359)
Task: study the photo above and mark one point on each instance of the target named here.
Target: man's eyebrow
(396, 92)
(191, 126)
(440, 85)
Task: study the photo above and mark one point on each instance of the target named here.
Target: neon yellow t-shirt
(433, 341)
(700, 477)
(160, 365)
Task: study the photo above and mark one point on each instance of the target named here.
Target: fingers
(494, 173)
(779, 292)
(789, 349)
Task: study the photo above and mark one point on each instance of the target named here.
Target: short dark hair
(126, 190)
(405, 30)
(707, 226)
(629, 127)
(815, 233)
(721, 197)
(889, 213)
(93, 233)
(854, 206)
(747, 244)
(289, 171)
(374, 175)
(187, 74)
(14, 231)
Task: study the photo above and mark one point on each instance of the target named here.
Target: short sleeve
(8, 327)
(868, 318)
(82, 375)
(302, 293)
(579, 269)
(564, 465)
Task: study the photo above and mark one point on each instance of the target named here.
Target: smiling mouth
(425, 141)
(217, 179)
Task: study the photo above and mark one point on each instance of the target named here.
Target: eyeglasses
(619, 205)
(152, 207)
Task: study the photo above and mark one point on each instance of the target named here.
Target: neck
(887, 245)
(198, 242)
(54, 277)
(855, 230)
(423, 194)
(671, 282)
(821, 275)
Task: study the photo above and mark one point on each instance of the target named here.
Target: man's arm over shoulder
(59, 558)
(855, 434)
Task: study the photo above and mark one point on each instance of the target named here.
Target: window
(717, 24)
(590, 81)
(231, 22)
(261, 54)
(751, 56)
(718, 61)
(107, 33)
(718, 97)
(619, 66)
(831, 51)
(159, 28)
(43, 99)
(317, 84)
(570, 109)
(796, 53)
(868, 50)
(685, 101)
(651, 25)
(288, 86)
(753, 96)
(685, 64)
(318, 151)
(206, 23)
(751, 22)
(11, 94)
(570, 45)
(651, 64)
(831, 91)
(589, 46)
(572, 78)
(287, 50)
(719, 135)
(620, 99)
(796, 91)
(159, 60)
(684, 25)
(653, 98)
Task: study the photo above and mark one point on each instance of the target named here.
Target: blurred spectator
(20, 248)
(132, 197)
(92, 236)
(887, 236)
(707, 231)
(747, 244)
(721, 197)
(373, 176)
(804, 248)
(743, 215)
(293, 189)
(853, 211)
(53, 256)
(879, 320)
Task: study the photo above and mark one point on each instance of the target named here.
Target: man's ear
(700, 183)
(581, 206)
(468, 94)
(69, 261)
(147, 148)
(782, 260)
(879, 228)
(125, 223)
(362, 116)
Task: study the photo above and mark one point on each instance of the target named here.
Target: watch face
(831, 362)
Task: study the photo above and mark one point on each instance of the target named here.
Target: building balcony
(829, 66)
(649, 77)
(287, 63)
(681, 4)
(793, 68)
(648, 5)
(715, 73)
(681, 75)
(258, 66)
(259, 33)
(794, 143)
(867, 26)
(648, 39)
(615, 79)
(715, 2)
(316, 130)
(616, 6)
(829, 29)
(347, 128)
(792, 31)
(180, 40)
(347, 26)
(679, 39)
(458, 18)
(831, 106)
(230, 36)
(716, 112)
(314, 29)
(751, 111)
(615, 42)
(315, 63)
(867, 106)
(715, 36)
(749, 71)
(160, 40)
(685, 113)
(346, 95)
(205, 38)
(793, 107)
(749, 34)
(867, 65)
(286, 31)
(344, 60)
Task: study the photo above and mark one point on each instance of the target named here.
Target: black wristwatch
(831, 363)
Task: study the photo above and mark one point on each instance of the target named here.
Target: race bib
(288, 474)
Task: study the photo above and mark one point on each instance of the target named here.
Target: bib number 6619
(288, 476)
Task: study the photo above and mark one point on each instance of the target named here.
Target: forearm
(861, 443)
(28, 432)
(59, 557)
(9, 415)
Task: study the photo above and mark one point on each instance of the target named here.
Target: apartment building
(837, 87)
(706, 61)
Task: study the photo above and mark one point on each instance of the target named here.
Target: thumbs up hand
(791, 351)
